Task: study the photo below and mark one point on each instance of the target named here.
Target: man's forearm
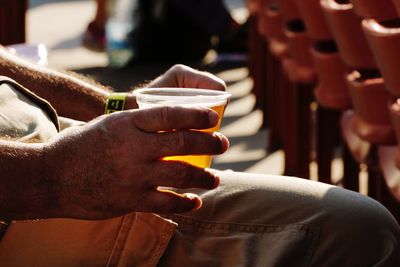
(71, 96)
(23, 193)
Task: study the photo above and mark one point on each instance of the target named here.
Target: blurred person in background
(174, 29)
(94, 37)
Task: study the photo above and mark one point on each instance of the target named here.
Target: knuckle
(165, 115)
(182, 142)
(173, 171)
(218, 145)
(172, 140)
(178, 67)
(184, 180)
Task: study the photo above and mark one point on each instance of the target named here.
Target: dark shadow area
(126, 78)
(138, 73)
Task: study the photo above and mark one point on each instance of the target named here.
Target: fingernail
(195, 198)
(190, 196)
(223, 139)
(217, 178)
(213, 117)
(217, 181)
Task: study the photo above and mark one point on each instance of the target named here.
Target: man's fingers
(168, 118)
(188, 77)
(167, 202)
(183, 76)
(180, 143)
(182, 175)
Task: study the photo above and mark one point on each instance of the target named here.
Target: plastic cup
(187, 97)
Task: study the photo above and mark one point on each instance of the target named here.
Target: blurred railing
(12, 21)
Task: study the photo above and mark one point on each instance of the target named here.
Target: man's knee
(356, 228)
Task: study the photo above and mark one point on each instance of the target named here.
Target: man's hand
(185, 77)
(113, 166)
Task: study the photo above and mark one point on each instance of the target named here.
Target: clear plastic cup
(216, 100)
(36, 53)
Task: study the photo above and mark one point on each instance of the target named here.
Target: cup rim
(202, 95)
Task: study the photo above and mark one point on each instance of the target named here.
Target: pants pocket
(201, 243)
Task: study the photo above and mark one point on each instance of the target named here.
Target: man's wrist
(31, 202)
(130, 102)
(115, 102)
(120, 101)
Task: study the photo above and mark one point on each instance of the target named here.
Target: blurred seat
(300, 71)
(389, 163)
(384, 39)
(331, 91)
(281, 94)
(382, 9)
(364, 128)
(257, 51)
(397, 5)
(271, 28)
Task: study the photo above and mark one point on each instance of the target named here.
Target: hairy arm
(77, 97)
(22, 191)
(72, 96)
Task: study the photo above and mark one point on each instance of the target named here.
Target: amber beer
(215, 100)
(203, 161)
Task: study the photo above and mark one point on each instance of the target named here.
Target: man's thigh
(261, 220)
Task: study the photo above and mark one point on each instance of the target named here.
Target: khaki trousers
(250, 220)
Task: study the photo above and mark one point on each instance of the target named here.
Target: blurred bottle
(119, 28)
